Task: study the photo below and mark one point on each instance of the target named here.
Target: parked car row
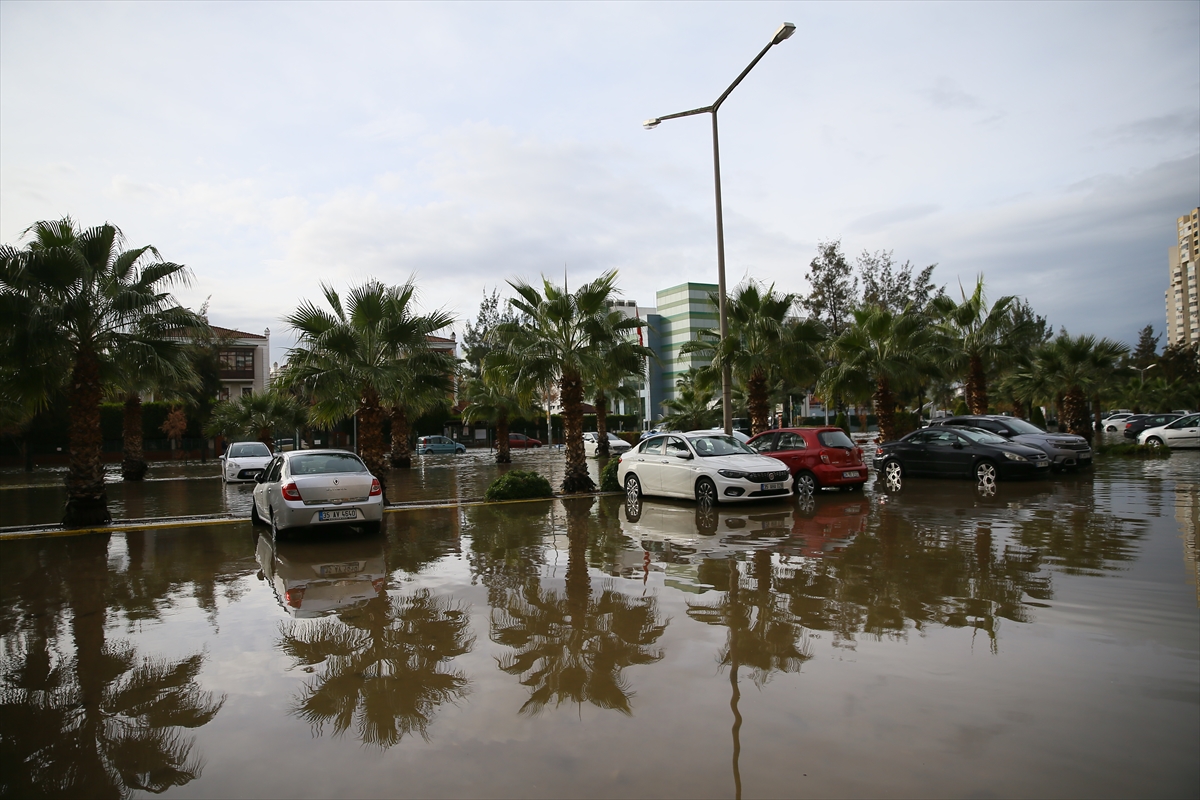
(1181, 432)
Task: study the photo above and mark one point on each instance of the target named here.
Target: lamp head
(651, 124)
(784, 31)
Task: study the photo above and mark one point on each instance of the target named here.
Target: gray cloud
(873, 223)
(947, 95)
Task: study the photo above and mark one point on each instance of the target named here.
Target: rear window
(324, 463)
(249, 450)
(834, 439)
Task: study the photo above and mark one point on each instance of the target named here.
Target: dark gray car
(1063, 449)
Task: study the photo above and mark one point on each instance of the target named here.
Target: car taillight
(878, 452)
(295, 596)
(825, 458)
(290, 492)
(376, 489)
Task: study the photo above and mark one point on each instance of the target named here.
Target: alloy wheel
(985, 472)
(893, 476)
(706, 491)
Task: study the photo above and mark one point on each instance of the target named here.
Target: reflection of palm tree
(573, 648)
(506, 546)
(384, 665)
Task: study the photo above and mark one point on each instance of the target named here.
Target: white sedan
(1183, 432)
(710, 467)
(311, 488)
(244, 460)
(1116, 422)
(591, 444)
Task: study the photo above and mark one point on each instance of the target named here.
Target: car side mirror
(260, 476)
(685, 456)
(958, 445)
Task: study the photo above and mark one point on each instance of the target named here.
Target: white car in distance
(312, 488)
(708, 466)
(243, 461)
(1183, 432)
(1116, 422)
(591, 444)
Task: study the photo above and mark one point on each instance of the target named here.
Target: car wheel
(985, 472)
(255, 519)
(806, 483)
(893, 476)
(277, 533)
(633, 488)
(706, 491)
(1154, 441)
(371, 528)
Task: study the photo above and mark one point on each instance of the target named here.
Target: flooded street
(1041, 641)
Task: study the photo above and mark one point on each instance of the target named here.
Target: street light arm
(745, 72)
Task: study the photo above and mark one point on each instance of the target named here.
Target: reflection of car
(242, 461)
(591, 444)
(708, 466)
(312, 579)
(1064, 449)
(439, 444)
(962, 452)
(816, 457)
(1136, 425)
(317, 487)
(1183, 432)
(691, 528)
(826, 524)
(521, 441)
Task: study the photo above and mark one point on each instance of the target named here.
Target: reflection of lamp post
(783, 32)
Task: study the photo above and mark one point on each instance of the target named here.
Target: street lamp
(1142, 371)
(782, 33)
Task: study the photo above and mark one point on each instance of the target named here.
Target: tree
(834, 288)
(620, 360)
(478, 340)
(496, 398)
(175, 425)
(979, 336)
(562, 338)
(893, 286)
(1146, 352)
(878, 355)
(692, 407)
(1076, 365)
(763, 346)
(69, 300)
(351, 358)
(257, 416)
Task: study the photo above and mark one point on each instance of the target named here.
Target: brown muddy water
(1043, 641)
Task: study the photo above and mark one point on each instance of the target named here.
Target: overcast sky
(273, 146)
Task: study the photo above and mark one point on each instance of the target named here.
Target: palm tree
(427, 385)
(562, 339)
(1076, 365)
(351, 358)
(692, 407)
(71, 300)
(763, 347)
(979, 338)
(257, 415)
(496, 399)
(620, 361)
(878, 355)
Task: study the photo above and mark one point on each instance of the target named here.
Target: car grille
(767, 477)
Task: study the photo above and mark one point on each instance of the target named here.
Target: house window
(246, 390)
(240, 360)
(223, 394)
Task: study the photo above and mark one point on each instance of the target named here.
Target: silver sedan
(311, 488)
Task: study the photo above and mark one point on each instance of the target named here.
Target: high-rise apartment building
(683, 311)
(1183, 316)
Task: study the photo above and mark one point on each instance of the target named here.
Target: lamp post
(782, 33)
(1142, 372)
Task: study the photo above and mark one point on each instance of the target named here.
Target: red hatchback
(816, 457)
(520, 440)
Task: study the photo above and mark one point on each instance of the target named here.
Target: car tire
(892, 474)
(806, 483)
(986, 472)
(277, 533)
(372, 527)
(706, 491)
(255, 519)
(1154, 441)
(633, 487)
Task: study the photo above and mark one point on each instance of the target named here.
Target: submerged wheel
(633, 489)
(255, 519)
(706, 491)
(806, 483)
(1154, 441)
(893, 476)
(985, 472)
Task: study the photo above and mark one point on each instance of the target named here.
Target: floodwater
(1041, 641)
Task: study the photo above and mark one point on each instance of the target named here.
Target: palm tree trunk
(1075, 409)
(885, 410)
(977, 397)
(401, 454)
(756, 399)
(503, 456)
(133, 467)
(1060, 412)
(370, 432)
(87, 500)
(576, 478)
(601, 425)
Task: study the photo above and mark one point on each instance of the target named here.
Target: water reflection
(106, 720)
(311, 579)
(572, 647)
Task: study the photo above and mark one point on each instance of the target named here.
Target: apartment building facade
(245, 360)
(1183, 316)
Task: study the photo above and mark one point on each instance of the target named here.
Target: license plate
(348, 513)
(340, 569)
(766, 487)
(1042, 464)
(853, 474)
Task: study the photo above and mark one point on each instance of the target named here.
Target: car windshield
(981, 437)
(722, 445)
(834, 439)
(612, 437)
(323, 463)
(1021, 426)
(249, 450)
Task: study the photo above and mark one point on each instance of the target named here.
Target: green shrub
(608, 476)
(1130, 449)
(518, 484)
(841, 422)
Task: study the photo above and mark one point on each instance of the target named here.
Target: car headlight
(731, 473)
(233, 465)
(1015, 457)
